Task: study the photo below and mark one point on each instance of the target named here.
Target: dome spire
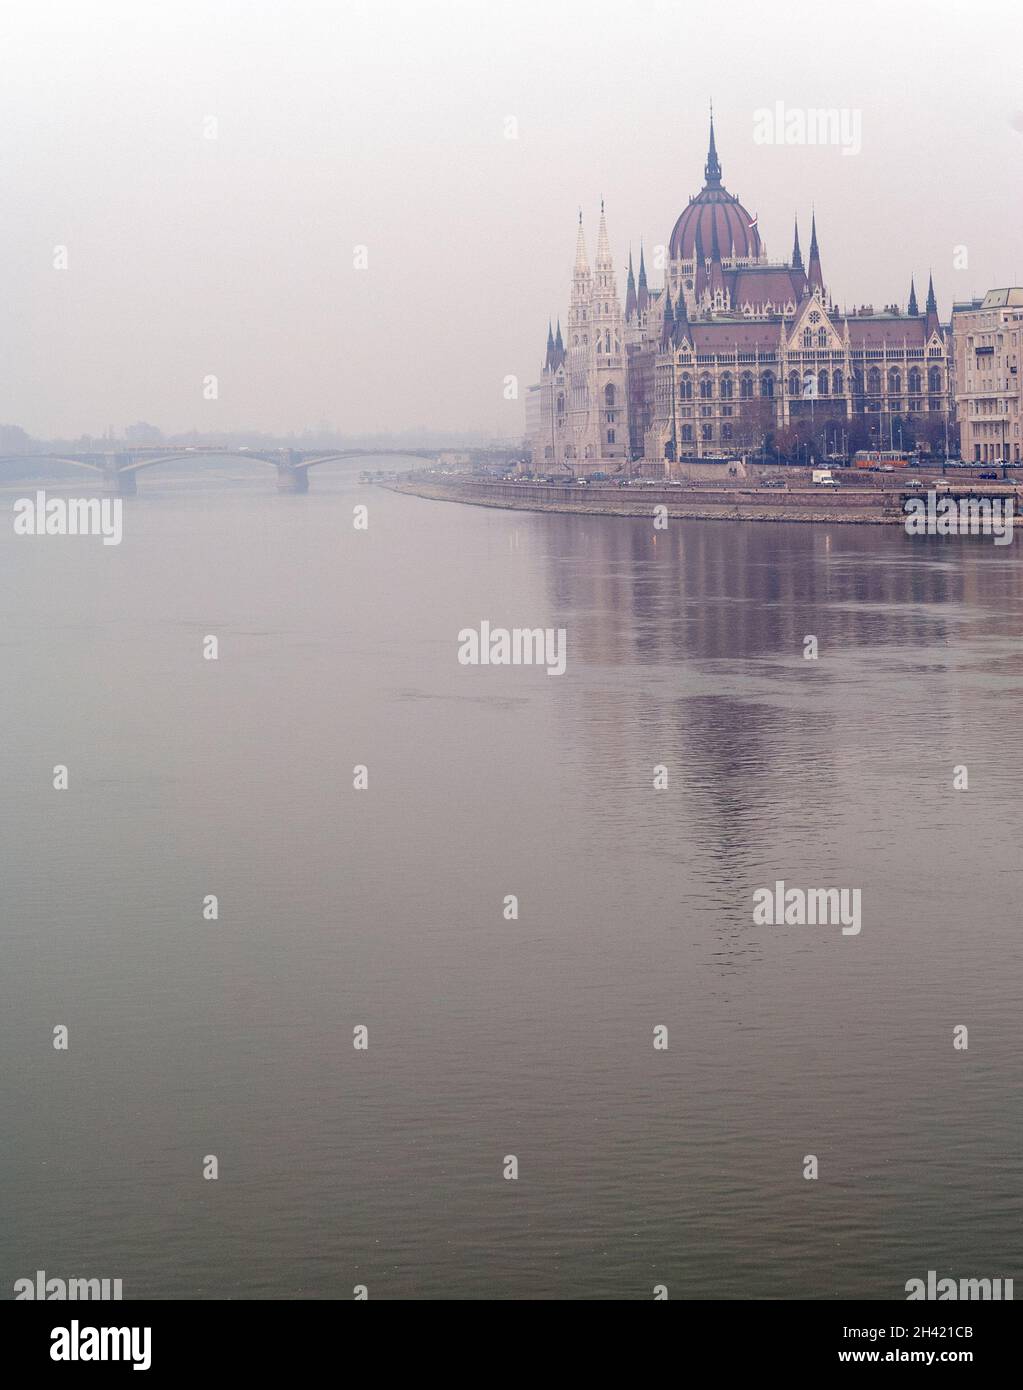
(712, 169)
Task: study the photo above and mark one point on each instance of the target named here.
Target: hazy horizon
(384, 126)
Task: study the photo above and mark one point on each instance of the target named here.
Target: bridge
(118, 472)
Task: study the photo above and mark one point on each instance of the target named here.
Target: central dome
(714, 214)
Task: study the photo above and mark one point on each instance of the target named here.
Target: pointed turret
(603, 248)
(643, 294)
(668, 322)
(712, 169)
(912, 308)
(797, 255)
(559, 348)
(933, 325)
(581, 263)
(814, 277)
(630, 292)
(681, 327)
(549, 359)
(582, 289)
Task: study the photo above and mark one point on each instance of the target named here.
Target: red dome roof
(714, 211)
(711, 210)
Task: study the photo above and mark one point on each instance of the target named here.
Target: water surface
(384, 908)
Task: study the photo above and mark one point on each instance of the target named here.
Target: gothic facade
(735, 354)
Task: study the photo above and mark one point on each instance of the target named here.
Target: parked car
(988, 476)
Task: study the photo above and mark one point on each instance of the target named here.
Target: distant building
(988, 336)
(733, 354)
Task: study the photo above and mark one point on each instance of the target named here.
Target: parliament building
(735, 355)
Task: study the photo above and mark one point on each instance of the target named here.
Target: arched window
(767, 385)
(726, 387)
(746, 386)
(934, 379)
(793, 383)
(607, 341)
(874, 381)
(837, 384)
(857, 384)
(706, 388)
(561, 405)
(687, 434)
(685, 388)
(914, 381)
(808, 337)
(894, 381)
(609, 397)
(822, 337)
(822, 383)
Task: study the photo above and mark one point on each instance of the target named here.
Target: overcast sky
(383, 124)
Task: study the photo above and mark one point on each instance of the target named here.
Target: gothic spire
(581, 263)
(815, 277)
(603, 247)
(668, 324)
(681, 318)
(797, 255)
(712, 169)
(933, 324)
(630, 290)
(912, 309)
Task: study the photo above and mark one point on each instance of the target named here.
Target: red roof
(727, 335)
(875, 332)
(773, 284)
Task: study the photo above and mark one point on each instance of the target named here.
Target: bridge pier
(119, 483)
(291, 479)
